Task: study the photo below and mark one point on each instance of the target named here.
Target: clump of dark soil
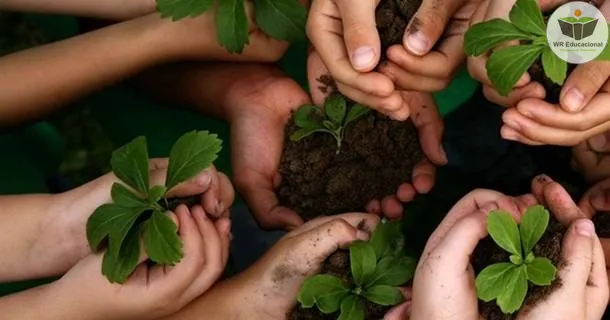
(488, 252)
(338, 265)
(377, 154)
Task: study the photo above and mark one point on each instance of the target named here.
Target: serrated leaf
(554, 68)
(161, 241)
(121, 227)
(384, 295)
(503, 230)
(533, 225)
(156, 193)
(484, 36)
(124, 197)
(384, 238)
(335, 108)
(110, 218)
(351, 308)
(325, 291)
(232, 25)
(281, 19)
(527, 16)
(362, 260)
(118, 267)
(491, 281)
(191, 154)
(304, 133)
(180, 9)
(505, 66)
(130, 164)
(513, 294)
(356, 111)
(541, 271)
(393, 271)
(304, 116)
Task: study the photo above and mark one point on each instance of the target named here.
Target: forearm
(35, 81)
(103, 9)
(38, 303)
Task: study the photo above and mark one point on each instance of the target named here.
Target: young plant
(280, 19)
(378, 267)
(506, 65)
(139, 211)
(332, 120)
(507, 282)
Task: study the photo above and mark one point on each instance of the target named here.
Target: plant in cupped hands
(280, 19)
(507, 282)
(332, 119)
(138, 212)
(378, 267)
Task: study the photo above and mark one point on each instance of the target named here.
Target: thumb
(428, 25)
(429, 125)
(360, 33)
(577, 252)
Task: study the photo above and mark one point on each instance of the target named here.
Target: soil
(377, 154)
(338, 265)
(549, 246)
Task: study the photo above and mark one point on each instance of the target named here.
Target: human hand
(151, 291)
(591, 157)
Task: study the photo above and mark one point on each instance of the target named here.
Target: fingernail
(598, 142)
(509, 134)
(542, 179)
(204, 179)
(585, 228)
(573, 99)
(363, 57)
(362, 235)
(418, 43)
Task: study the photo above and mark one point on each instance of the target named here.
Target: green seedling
(507, 282)
(378, 268)
(138, 212)
(280, 19)
(332, 119)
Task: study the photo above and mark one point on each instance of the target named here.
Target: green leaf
(384, 238)
(515, 259)
(304, 116)
(124, 197)
(118, 267)
(554, 68)
(281, 19)
(109, 218)
(513, 294)
(530, 257)
(122, 224)
(156, 193)
(491, 281)
(351, 309)
(335, 108)
(384, 295)
(179, 9)
(393, 271)
(362, 261)
(161, 241)
(356, 111)
(532, 227)
(484, 36)
(503, 230)
(324, 290)
(541, 271)
(330, 126)
(130, 164)
(505, 66)
(526, 15)
(304, 133)
(191, 154)
(232, 25)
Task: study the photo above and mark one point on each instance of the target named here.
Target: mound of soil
(377, 154)
(338, 265)
(488, 252)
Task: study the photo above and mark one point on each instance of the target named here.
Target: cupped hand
(592, 157)
(151, 291)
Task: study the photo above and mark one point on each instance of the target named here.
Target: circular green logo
(577, 32)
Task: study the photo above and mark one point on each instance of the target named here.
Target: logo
(577, 32)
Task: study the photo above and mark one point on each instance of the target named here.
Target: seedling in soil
(507, 282)
(280, 19)
(332, 120)
(139, 212)
(378, 267)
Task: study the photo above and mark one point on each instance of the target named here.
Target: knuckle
(435, 19)
(341, 228)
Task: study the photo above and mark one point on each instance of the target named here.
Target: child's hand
(151, 291)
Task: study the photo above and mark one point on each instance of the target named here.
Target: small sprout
(378, 268)
(506, 282)
(332, 120)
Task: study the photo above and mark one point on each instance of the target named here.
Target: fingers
(391, 207)
(428, 25)
(427, 120)
(407, 80)
(577, 252)
(597, 198)
(424, 175)
(401, 311)
(529, 90)
(582, 84)
(360, 33)
(363, 222)
(552, 195)
(406, 192)
(597, 285)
